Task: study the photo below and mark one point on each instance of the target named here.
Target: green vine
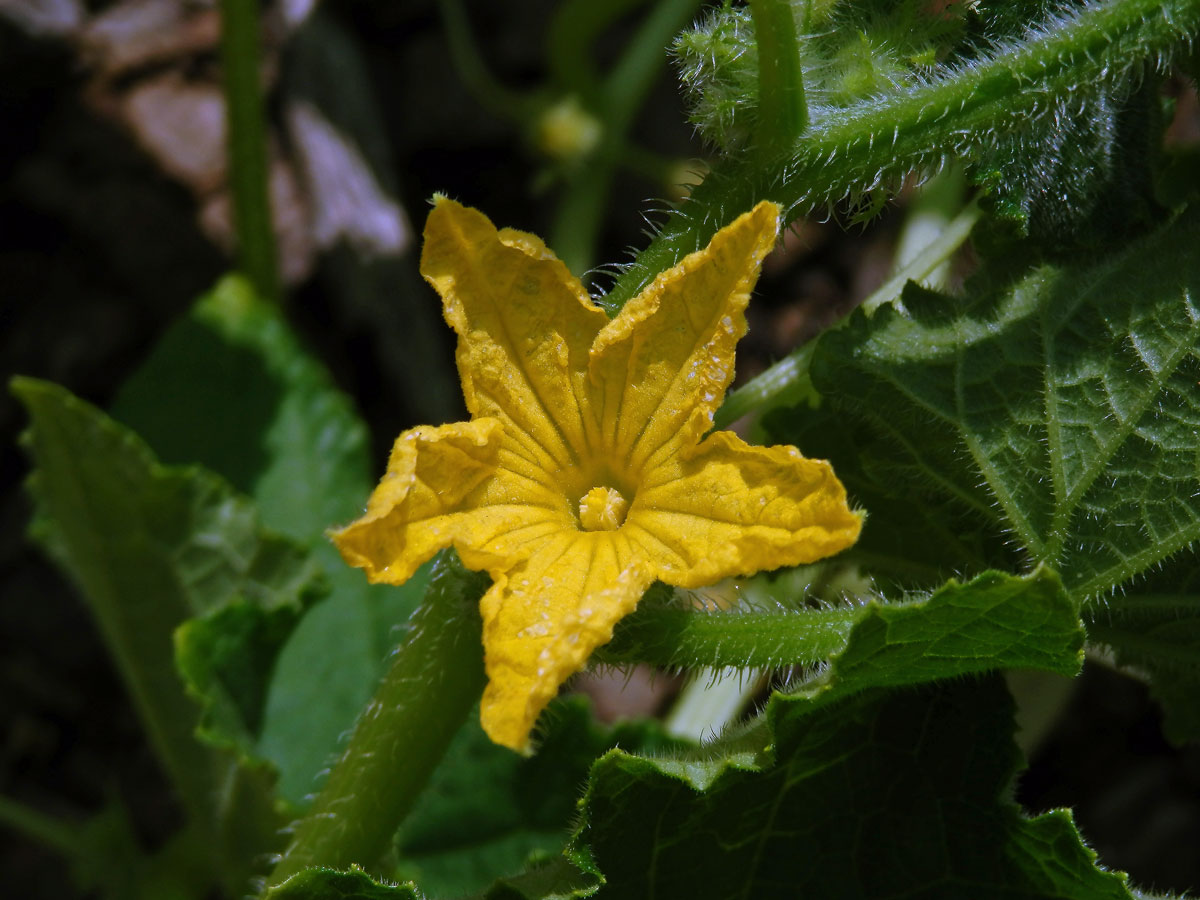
(434, 680)
(248, 165)
(963, 114)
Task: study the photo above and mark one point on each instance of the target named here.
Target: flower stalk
(247, 152)
(434, 681)
(782, 110)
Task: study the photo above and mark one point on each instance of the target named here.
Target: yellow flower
(584, 473)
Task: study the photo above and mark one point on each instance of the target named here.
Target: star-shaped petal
(587, 471)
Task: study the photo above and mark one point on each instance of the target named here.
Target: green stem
(570, 39)
(40, 827)
(673, 638)
(782, 111)
(787, 382)
(576, 226)
(434, 681)
(928, 260)
(859, 147)
(468, 63)
(248, 165)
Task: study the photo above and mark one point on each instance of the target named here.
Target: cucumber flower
(585, 472)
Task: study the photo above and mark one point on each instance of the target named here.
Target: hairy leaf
(1060, 410)
(332, 884)
(1154, 627)
(555, 879)
(856, 772)
(1087, 175)
(882, 794)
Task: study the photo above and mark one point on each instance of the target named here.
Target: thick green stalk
(248, 167)
(434, 681)
(958, 116)
(782, 111)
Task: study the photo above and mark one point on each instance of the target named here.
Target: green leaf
(929, 515)
(151, 546)
(1059, 411)
(230, 386)
(226, 659)
(993, 621)
(556, 879)
(851, 787)
(488, 811)
(331, 884)
(1154, 627)
(882, 794)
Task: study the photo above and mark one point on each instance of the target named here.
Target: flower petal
(524, 323)
(661, 367)
(543, 618)
(728, 508)
(452, 484)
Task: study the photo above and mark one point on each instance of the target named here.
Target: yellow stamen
(602, 509)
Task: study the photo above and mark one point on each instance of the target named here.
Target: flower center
(602, 509)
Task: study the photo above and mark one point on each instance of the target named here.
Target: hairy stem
(957, 116)
(434, 681)
(672, 638)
